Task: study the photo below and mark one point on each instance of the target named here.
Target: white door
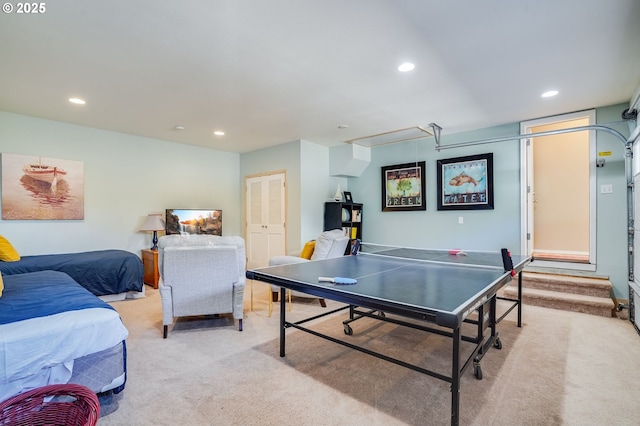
(265, 213)
(559, 181)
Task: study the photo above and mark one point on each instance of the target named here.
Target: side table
(150, 264)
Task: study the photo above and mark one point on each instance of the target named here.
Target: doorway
(265, 213)
(559, 183)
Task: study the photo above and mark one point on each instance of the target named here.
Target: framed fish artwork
(465, 183)
(403, 187)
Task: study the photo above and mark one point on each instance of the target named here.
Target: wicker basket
(58, 405)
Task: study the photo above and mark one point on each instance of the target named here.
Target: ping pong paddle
(507, 261)
(338, 280)
(355, 247)
(457, 252)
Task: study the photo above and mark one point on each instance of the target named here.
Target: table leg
(492, 316)
(283, 310)
(455, 378)
(520, 299)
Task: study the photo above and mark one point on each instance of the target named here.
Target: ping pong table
(431, 290)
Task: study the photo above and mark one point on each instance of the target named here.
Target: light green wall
(308, 184)
(612, 208)
(481, 230)
(500, 227)
(314, 188)
(284, 157)
(126, 177)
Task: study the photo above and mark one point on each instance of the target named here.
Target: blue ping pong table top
(429, 281)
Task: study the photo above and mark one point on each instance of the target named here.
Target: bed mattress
(47, 324)
(101, 272)
(102, 371)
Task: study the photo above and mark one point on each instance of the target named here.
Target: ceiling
(271, 72)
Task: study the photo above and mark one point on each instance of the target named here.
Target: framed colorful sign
(465, 183)
(403, 187)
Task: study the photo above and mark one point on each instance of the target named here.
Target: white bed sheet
(40, 351)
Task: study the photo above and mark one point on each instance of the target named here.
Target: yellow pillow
(7, 252)
(1, 284)
(307, 250)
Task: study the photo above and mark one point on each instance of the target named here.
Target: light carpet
(560, 368)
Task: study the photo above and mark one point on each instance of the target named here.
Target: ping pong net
(474, 259)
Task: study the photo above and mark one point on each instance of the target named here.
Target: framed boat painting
(465, 183)
(42, 188)
(403, 187)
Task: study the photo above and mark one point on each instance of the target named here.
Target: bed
(103, 273)
(52, 330)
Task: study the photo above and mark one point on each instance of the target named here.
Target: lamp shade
(154, 222)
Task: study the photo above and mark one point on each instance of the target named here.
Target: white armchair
(329, 244)
(201, 275)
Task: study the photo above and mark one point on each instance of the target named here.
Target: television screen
(192, 221)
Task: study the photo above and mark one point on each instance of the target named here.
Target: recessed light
(343, 126)
(406, 67)
(77, 101)
(179, 127)
(549, 93)
(218, 133)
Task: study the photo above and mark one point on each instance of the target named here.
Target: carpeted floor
(559, 368)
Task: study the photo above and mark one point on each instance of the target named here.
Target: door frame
(526, 199)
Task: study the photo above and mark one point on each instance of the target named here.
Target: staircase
(584, 294)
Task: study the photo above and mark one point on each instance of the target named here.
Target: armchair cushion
(330, 244)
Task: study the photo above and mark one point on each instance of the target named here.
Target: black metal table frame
(486, 318)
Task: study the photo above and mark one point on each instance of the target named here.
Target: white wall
(126, 177)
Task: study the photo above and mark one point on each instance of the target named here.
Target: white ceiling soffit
(394, 136)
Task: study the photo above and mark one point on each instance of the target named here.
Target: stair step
(601, 306)
(598, 287)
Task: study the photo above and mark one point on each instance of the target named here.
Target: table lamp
(153, 223)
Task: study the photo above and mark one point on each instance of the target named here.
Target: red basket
(58, 405)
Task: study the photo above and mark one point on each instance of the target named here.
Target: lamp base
(155, 241)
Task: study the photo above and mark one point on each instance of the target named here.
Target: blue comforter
(39, 294)
(101, 272)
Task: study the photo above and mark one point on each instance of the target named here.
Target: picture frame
(347, 197)
(41, 188)
(403, 187)
(466, 183)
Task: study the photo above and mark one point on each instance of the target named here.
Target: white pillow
(330, 244)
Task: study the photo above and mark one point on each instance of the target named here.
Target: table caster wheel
(477, 371)
(497, 343)
(381, 314)
(348, 330)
